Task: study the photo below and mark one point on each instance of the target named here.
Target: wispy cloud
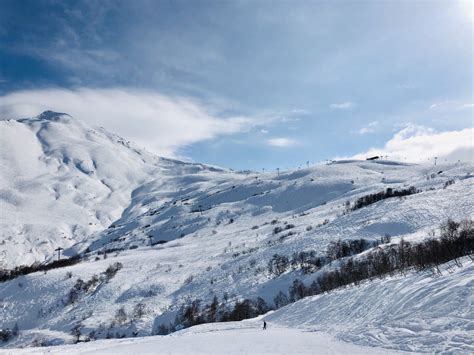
(439, 105)
(419, 143)
(160, 123)
(281, 142)
(348, 105)
(451, 105)
(369, 128)
(300, 111)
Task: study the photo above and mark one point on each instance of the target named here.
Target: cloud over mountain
(416, 143)
(160, 123)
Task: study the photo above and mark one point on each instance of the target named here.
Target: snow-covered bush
(278, 264)
(112, 270)
(138, 311)
(188, 280)
(120, 316)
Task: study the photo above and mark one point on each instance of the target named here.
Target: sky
(250, 84)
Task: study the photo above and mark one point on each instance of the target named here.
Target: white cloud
(160, 123)
(369, 128)
(418, 143)
(300, 111)
(439, 105)
(343, 106)
(263, 131)
(281, 142)
(451, 105)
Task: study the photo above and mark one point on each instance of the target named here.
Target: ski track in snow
(419, 312)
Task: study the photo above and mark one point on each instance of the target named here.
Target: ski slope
(417, 313)
(190, 231)
(246, 337)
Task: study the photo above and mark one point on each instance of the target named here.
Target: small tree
(212, 313)
(121, 316)
(280, 300)
(15, 330)
(242, 310)
(75, 291)
(261, 306)
(138, 311)
(297, 290)
(112, 270)
(76, 332)
(278, 264)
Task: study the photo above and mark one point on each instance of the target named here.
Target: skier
(264, 325)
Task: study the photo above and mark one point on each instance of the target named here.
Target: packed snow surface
(190, 231)
(418, 313)
(246, 337)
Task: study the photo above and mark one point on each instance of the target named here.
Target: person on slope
(264, 325)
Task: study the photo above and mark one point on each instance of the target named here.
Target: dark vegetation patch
(373, 198)
(6, 275)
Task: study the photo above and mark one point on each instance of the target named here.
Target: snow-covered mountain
(185, 231)
(62, 181)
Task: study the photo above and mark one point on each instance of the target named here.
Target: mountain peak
(52, 115)
(48, 115)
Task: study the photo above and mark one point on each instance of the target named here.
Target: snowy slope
(414, 314)
(61, 181)
(246, 337)
(189, 231)
(419, 313)
(227, 203)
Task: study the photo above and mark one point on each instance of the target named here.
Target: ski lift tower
(58, 249)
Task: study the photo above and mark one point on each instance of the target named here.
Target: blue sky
(249, 84)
